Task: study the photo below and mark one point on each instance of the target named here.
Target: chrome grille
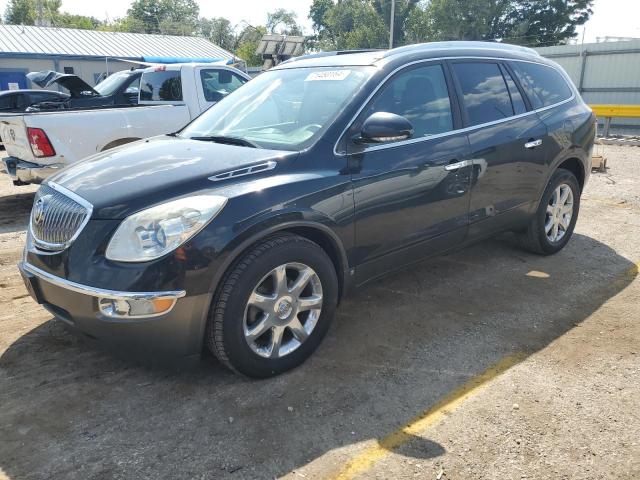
(57, 218)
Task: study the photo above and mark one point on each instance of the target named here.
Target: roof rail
(331, 53)
(492, 45)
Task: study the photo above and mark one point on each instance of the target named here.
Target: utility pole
(391, 22)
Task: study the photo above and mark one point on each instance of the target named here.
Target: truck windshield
(282, 109)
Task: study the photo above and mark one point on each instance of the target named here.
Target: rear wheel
(274, 307)
(552, 226)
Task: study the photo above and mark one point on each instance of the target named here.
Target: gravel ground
(568, 409)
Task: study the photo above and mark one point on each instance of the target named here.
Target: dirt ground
(486, 363)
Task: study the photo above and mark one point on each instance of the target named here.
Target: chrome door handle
(456, 166)
(533, 144)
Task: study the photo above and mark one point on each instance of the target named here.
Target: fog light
(135, 307)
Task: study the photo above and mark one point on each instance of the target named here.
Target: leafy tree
(174, 17)
(247, 44)
(365, 23)
(31, 12)
(545, 22)
(219, 31)
(348, 24)
(69, 20)
(403, 10)
(283, 22)
(463, 19)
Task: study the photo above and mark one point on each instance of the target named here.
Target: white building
(91, 54)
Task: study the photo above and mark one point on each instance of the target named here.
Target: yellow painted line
(616, 110)
(632, 272)
(371, 455)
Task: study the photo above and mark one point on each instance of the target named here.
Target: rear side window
(543, 85)
(421, 96)
(161, 86)
(217, 84)
(484, 91)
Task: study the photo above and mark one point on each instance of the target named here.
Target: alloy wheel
(559, 213)
(282, 310)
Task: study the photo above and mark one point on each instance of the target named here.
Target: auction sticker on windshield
(328, 75)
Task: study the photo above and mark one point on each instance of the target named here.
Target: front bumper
(174, 333)
(22, 172)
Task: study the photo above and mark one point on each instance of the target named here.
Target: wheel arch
(575, 166)
(318, 233)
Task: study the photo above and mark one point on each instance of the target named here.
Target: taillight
(40, 144)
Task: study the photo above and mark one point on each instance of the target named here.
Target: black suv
(243, 231)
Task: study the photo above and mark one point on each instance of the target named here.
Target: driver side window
(421, 96)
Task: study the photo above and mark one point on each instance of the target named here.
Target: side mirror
(383, 127)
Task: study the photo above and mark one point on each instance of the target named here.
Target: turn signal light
(40, 144)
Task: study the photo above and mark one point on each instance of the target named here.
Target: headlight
(154, 232)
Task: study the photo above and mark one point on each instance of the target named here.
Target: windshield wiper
(228, 140)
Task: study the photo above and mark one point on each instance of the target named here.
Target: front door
(506, 146)
(411, 197)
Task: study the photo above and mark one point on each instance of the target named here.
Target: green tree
(173, 17)
(463, 19)
(545, 22)
(283, 22)
(219, 31)
(32, 12)
(247, 44)
(403, 10)
(348, 24)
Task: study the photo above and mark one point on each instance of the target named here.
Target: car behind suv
(242, 231)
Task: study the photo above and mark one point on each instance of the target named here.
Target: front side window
(161, 86)
(421, 96)
(484, 91)
(285, 109)
(543, 85)
(217, 84)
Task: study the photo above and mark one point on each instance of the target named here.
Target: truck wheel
(552, 226)
(274, 307)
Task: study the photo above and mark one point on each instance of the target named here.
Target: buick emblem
(12, 134)
(40, 209)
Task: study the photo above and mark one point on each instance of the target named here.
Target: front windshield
(110, 84)
(282, 109)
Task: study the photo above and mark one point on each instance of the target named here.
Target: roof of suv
(426, 50)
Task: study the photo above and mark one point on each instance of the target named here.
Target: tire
(537, 238)
(253, 291)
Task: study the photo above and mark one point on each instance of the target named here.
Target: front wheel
(274, 307)
(552, 226)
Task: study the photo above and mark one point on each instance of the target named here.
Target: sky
(611, 17)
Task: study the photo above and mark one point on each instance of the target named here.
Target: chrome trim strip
(100, 292)
(58, 247)
(453, 132)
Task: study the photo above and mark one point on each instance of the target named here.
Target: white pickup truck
(39, 144)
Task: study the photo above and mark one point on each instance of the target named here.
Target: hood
(127, 179)
(73, 83)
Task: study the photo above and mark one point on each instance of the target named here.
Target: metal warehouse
(91, 54)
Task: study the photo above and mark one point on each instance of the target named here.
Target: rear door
(506, 139)
(411, 197)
